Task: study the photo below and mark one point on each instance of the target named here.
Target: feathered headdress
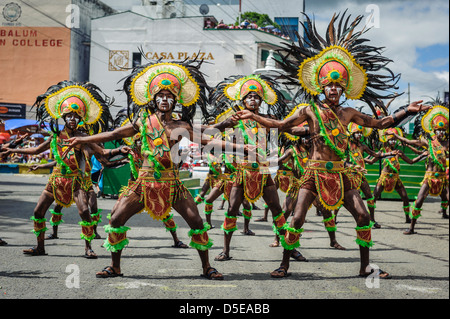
(183, 78)
(84, 99)
(427, 121)
(342, 57)
(226, 98)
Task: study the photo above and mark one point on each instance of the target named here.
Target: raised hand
(70, 143)
(417, 106)
(242, 115)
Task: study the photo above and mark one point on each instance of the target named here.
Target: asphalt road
(153, 269)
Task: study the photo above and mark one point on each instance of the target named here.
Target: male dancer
(435, 182)
(74, 103)
(334, 71)
(253, 179)
(157, 87)
(390, 175)
(356, 158)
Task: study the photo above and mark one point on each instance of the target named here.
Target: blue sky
(415, 34)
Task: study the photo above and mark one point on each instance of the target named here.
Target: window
(136, 59)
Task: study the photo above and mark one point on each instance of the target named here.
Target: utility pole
(409, 95)
(240, 11)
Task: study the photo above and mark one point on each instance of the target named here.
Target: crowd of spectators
(19, 142)
(246, 24)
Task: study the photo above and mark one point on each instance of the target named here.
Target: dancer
(435, 182)
(87, 185)
(389, 179)
(153, 91)
(332, 67)
(136, 159)
(253, 179)
(356, 158)
(74, 103)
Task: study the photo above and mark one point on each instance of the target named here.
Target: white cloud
(404, 26)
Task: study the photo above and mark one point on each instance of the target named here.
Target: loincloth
(284, 179)
(389, 181)
(253, 178)
(436, 181)
(63, 186)
(329, 180)
(158, 192)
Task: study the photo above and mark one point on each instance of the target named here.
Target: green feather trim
(37, 220)
(54, 147)
(363, 243)
(294, 231)
(197, 246)
(324, 134)
(433, 156)
(117, 247)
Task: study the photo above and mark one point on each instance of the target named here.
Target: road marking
(426, 290)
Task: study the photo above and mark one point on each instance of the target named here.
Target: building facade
(43, 42)
(119, 39)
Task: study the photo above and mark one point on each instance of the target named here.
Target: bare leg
(404, 196)
(44, 203)
(355, 205)
(331, 233)
(421, 196)
(209, 200)
(187, 208)
(236, 199)
(248, 207)
(444, 202)
(365, 188)
(304, 200)
(122, 211)
(81, 200)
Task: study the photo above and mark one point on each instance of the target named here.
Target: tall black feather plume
(380, 78)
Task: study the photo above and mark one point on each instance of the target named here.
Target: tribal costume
(435, 119)
(159, 186)
(342, 58)
(70, 175)
(390, 175)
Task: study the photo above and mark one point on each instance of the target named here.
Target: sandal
(108, 272)
(51, 236)
(222, 257)
(280, 272)
(3, 243)
(262, 219)
(180, 244)
(298, 256)
(380, 274)
(34, 252)
(376, 225)
(248, 233)
(90, 254)
(409, 232)
(212, 274)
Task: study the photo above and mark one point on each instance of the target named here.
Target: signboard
(12, 111)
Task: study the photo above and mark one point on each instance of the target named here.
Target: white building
(116, 39)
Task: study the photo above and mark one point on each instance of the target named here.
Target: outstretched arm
(117, 134)
(378, 154)
(417, 143)
(295, 120)
(367, 121)
(31, 150)
(412, 161)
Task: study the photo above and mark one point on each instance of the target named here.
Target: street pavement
(152, 269)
